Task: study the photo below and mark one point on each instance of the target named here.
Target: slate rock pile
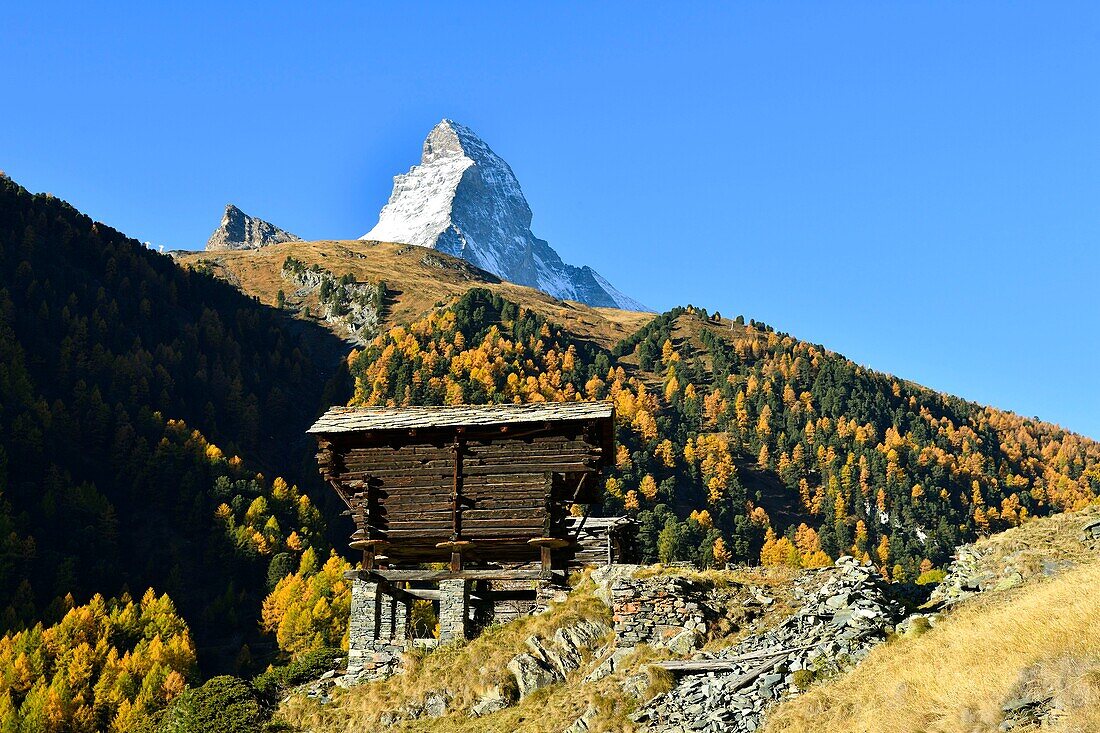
(842, 619)
(1028, 713)
(965, 577)
(1036, 549)
(973, 572)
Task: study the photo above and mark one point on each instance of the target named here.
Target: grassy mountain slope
(737, 442)
(418, 279)
(1037, 643)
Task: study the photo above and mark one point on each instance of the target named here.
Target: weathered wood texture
(493, 485)
(603, 540)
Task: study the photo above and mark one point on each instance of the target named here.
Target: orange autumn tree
(107, 665)
(309, 609)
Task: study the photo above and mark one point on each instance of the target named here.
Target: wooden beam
(434, 594)
(456, 504)
(392, 575)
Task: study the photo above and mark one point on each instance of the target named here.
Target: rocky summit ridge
(238, 230)
(463, 199)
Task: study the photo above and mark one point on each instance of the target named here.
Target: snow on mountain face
(463, 199)
(238, 230)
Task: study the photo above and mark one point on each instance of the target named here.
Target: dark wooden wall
(400, 487)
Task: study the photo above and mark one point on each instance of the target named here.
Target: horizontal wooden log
(442, 500)
(468, 515)
(482, 496)
(518, 451)
(355, 475)
(573, 467)
(689, 666)
(469, 526)
(437, 575)
(401, 538)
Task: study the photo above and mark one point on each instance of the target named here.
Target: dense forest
(740, 444)
(111, 358)
(152, 446)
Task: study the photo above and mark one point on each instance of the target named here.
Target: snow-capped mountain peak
(464, 199)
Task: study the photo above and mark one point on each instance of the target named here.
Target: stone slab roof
(353, 419)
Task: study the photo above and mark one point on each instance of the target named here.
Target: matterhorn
(464, 200)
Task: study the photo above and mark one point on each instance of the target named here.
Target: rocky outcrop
(357, 306)
(238, 230)
(549, 661)
(464, 200)
(844, 618)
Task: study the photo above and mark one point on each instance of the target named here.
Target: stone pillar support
(362, 625)
(402, 613)
(454, 609)
(377, 630)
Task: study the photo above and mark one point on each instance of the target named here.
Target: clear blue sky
(914, 185)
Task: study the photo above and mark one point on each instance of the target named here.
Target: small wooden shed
(462, 484)
(603, 540)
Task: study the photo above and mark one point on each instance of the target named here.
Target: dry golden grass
(955, 677)
(468, 670)
(418, 283)
(758, 575)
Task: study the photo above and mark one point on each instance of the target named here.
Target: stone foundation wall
(660, 611)
(372, 660)
(379, 631)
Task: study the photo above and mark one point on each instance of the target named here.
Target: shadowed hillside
(138, 401)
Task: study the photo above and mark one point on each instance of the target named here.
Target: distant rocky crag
(238, 230)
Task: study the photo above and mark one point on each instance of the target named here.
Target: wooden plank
(443, 514)
(433, 502)
(522, 446)
(688, 666)
(416, 501)
(433, 536)
(475, 526)
(437, 575)
(388, 453)
(475, 469)
(441, 471)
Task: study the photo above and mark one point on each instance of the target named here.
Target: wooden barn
(464, 484)
(487, 490)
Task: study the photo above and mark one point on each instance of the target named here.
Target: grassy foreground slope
(1038, 641)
